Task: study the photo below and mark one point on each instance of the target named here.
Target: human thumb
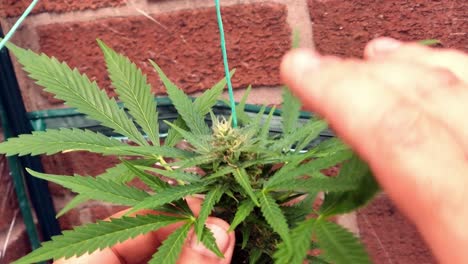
(194, 252)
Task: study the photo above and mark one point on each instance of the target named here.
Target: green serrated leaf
(205, 102)
(255, 255)
(221, 171)
(290, 111)
(313, 131)
(195, 161)
(315, 183)
(209, 242)
(77, 200)
(77, 91)
(173, 137)
(92, 237)
(193, 118)
(169, 195)
(174, 174)
(275, 217)
(288, 173)
(338, 244)
(200, 143)
(301, 237)
(243, 180)
(244, 210)
(58, 140)
(302, 135)
(243, 117)
(266, 125)
(120, 173)
(169, 251)
(328, 147)
(365, 188)
(246, 231)
(151, 181)
(133, 90)
(96, 188)
(148, 151)
(211, 199)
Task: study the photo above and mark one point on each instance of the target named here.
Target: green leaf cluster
(263, 185)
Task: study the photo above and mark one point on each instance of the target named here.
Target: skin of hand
(403, 108)
(140, 249)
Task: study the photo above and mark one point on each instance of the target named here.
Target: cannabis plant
(264, 185)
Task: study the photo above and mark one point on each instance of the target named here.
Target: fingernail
(222, 240)
(385, 45)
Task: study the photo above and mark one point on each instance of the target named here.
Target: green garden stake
(18, 23)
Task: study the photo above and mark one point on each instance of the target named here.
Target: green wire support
(20, 188)
(226, 65)
(18, 23)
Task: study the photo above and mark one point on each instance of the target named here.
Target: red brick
(18, 244)
(343, 27)
(8, 202)
(88, 213)
(184, 43)
(389, 236)
(11, 8)
(81, 163)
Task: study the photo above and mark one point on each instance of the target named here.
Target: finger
(194, 252)
(195, 202)
(428, 80)
(388, 48)
(397, 138)
(99, 257)
(141, 248)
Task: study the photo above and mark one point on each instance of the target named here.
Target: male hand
(404, 109)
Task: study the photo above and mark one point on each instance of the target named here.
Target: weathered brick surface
(18, 243)
(389, 236)
(184, 43)
(81, 163)
(8, 202)
(11, 8)
(343, 27)
(87, 213)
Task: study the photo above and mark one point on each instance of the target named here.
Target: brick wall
(182, 37)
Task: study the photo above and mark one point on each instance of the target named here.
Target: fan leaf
(120, 173)
(58, 140)
(204, 103)
(92, 237)
(133, 90)
(275, 217)
(339, 245)
(301, 237)
(287, 174)
(193, 118)
(169, 251)
(244, 210)
(77, 200)
(77, 91)
(243, 180)
(151, 181)
(211, 199)
(365, 188)
(173, 174)
(96, 188)
(169, 195)
(209, 241)
(290, 111)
